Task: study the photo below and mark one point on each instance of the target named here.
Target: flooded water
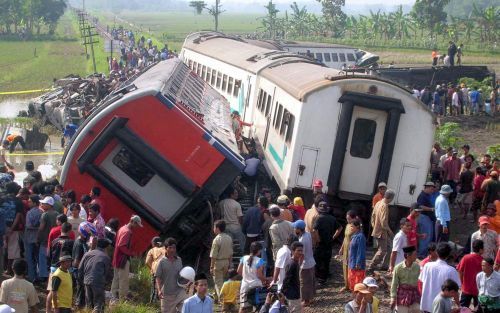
(46, 161)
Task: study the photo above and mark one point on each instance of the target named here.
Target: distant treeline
(27, 17)
(463, 8)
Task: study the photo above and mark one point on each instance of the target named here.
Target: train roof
(298, 75)
(281, 45)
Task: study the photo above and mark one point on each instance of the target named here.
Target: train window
(327, 57)
(350, 57)
(335, 57)
(284, 122)
(289, 130)
(259, 99)
(194, 66)
(219, 79)
(213, 77)
(237, 85)
(224, 82)
(268, 105)
(319, 57)
(342, 57)
(198, 69)
(209, 75)
(133, 166)
(230, 86)
(277, 121)
(190, 64)
(204, 72)
(363, 137)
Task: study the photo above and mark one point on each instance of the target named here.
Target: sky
(348, 2)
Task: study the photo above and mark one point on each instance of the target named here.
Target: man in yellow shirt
(62, 286)
(229, 293)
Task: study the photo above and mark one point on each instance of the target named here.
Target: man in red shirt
(468, 268)
(451, 167)
(121, 256)
(413, 236)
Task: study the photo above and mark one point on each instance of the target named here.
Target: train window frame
(230, 84)
(224, 82)
(237, 86)
(319, 56)
(131, 165)
(284, 122)
(279, 115)
(219, 79)
(327, 57)
(350, 57)
(190, 64)
(195, 64)
(209, 75)
(203, 72)
(259, 99)
(290, 128)
(335, 57)
(198, 69)
(213, 78)
(363, 138)
(268, 105)
(342, 57)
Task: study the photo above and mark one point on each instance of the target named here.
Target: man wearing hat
(381, 232)
(405, 296)
(488, 236)
(443, 216)
(121, 256)
(199, 302)
(279, 231)
(451, 168)
(361, 302)
(382, 187)
(47, 222)
(62, 286)
(95, 271)
(307, 283)
(283, 202)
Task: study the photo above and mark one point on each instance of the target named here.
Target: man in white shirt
(229, 210)
(434, 274)
(488, 281)
(282, 259)
(400, 241)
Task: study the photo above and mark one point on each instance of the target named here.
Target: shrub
(448, 135)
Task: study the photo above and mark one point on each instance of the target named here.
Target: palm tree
(299, 19)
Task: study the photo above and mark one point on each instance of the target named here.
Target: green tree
(216, 10)
(198, 6)
(299, 21)
(431, 13)
(270, 21)
(334, 16)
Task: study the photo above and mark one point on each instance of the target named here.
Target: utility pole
(87, 33)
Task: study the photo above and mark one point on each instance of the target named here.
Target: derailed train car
(160, 147)
(310, 121)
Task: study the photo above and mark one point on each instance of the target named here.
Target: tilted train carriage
(161, 147)
(311, 121)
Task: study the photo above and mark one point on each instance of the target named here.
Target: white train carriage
(311, 121)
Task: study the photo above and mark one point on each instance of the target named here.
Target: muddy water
(46, 161)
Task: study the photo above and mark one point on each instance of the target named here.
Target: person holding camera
(275, 303)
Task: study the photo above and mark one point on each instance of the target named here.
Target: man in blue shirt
(443, 214)
(200, 302)
(474, 99)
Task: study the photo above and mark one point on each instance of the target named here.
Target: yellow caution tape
(24, 91)
(37, 153)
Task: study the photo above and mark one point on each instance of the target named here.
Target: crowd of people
(271, 257)
(447, 99)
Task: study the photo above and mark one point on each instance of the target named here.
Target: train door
(363, 150)
(307, 167)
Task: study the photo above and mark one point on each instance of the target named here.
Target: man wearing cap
(317, 187)
(381, 232)
(451, 167)
(328, 229)
(361, 302)
(443, 217)
(95, 270)
(468, 268)
(372, 285)
(283, 202)
(47, 222)
(62, 286)
(488, 236)
(279, 231)
(307, 283)
(405, 296)
(199, 303)
(382, 187)
(400, 241)
(121, 256)
(221, 254)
